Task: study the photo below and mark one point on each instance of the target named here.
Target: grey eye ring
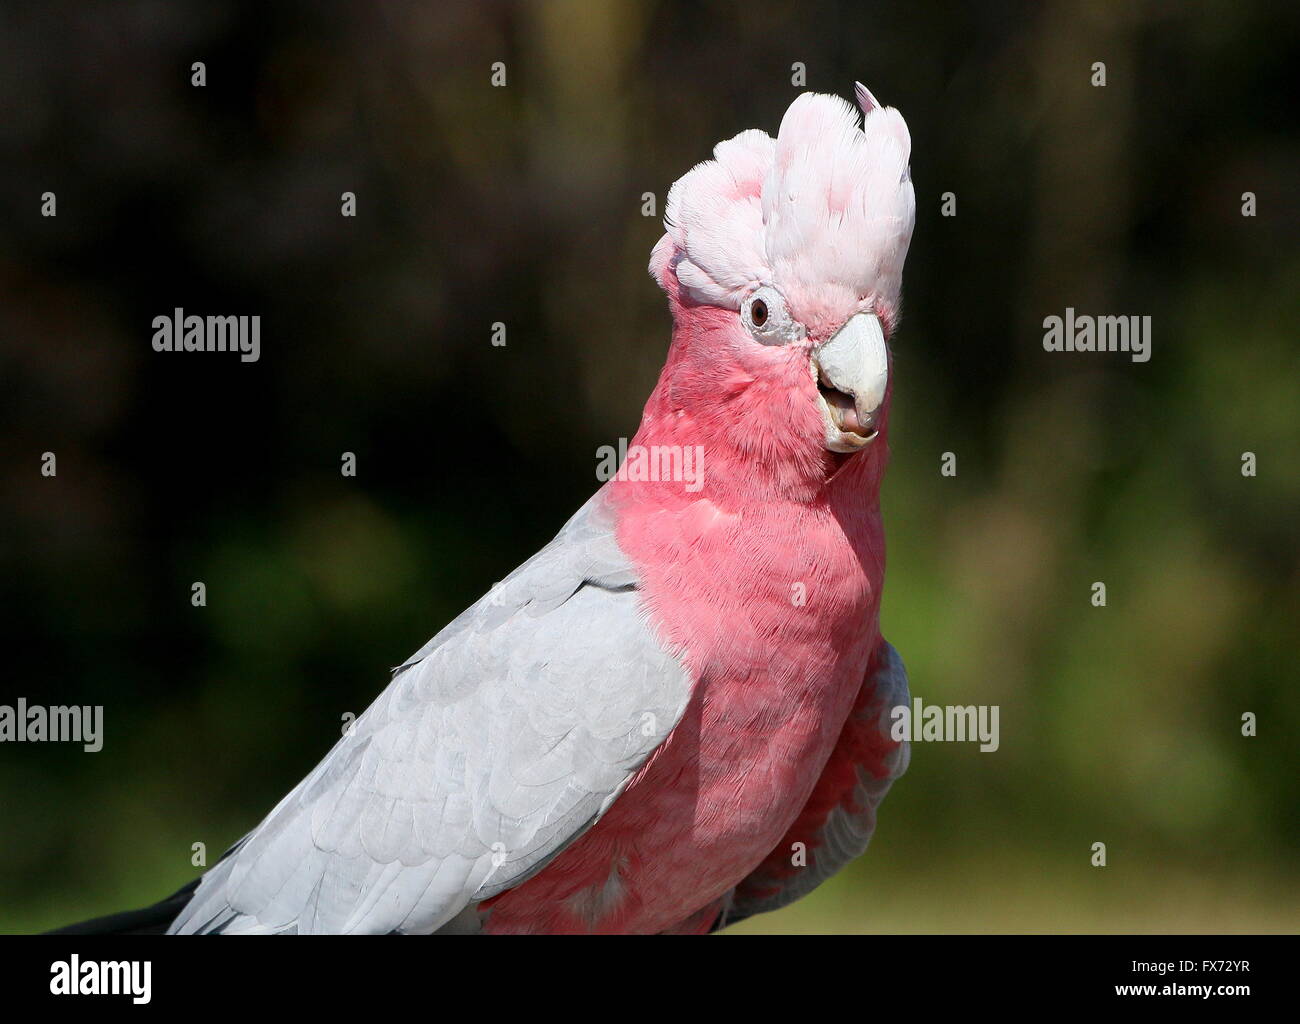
(764, 314)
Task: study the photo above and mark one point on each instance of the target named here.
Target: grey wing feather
(500, 741)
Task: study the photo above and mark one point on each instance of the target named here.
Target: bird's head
(783, 260)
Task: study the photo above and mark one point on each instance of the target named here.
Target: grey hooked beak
(852, 371)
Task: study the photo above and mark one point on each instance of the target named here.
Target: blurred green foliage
(523, 205)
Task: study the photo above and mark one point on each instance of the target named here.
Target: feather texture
(840, 817)
(824, 213)
(503, 738)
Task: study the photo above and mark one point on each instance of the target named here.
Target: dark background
(523, 205)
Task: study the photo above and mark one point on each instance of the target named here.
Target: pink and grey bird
(676, 714)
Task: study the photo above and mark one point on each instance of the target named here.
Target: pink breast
(775, 680)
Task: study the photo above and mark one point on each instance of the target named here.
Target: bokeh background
(523, 205)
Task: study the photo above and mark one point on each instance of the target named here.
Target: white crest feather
(824, 212)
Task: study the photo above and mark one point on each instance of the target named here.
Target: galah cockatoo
(677, 713)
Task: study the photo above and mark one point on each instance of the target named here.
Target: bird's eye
(765, 315)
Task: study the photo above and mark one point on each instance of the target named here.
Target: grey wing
(840, 816)
(504, 738)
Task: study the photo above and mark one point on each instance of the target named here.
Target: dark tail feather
(147, 921)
